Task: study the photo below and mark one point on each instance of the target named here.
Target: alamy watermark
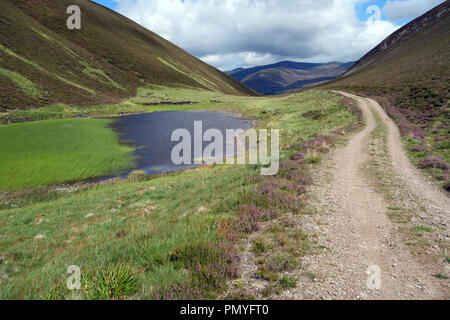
(74, 280)
(234, 143)
(374, 280)
(74, 20)
(375, 11)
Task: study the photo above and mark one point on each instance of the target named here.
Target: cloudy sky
(244, 33)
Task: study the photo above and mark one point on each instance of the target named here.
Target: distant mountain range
(287, 76)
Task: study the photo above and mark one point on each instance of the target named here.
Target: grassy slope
(411, 80)
(152, 238)
(42, 62)
(57, 151)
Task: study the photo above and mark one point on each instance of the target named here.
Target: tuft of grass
(311, 276)
(137, 175)
(266, 274)
(399, 215)
(313, 157)
(419, 243)
(261, 246)
(116, 282)
(270, 290)
(441, 276)
(421, 228)
(396, 208)
(288, 282)
(189, 255)
(281, 261)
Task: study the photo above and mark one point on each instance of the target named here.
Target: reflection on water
(151, 133)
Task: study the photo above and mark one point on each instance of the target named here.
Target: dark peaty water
(151, 133)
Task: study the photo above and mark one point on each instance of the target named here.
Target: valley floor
(242, 235)
(148, 237)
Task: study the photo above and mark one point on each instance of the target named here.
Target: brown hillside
(409, 73)
(42, 62)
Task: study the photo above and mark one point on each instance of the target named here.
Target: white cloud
(244, 59)
(232, 33)
(408, 9)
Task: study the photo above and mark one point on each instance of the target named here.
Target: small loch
(151, 134)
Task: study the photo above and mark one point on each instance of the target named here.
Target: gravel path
(353, 221)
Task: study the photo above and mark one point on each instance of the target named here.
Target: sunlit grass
(27, 86)
(57, 151)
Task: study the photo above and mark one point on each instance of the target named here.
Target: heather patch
(208, 264)
(443, 177)
(419, 149)
(434, 161)
(298, 156)
(407, 128)
(317, 143)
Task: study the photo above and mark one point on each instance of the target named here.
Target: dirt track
(358, 231)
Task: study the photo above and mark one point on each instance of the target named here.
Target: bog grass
(57, 151)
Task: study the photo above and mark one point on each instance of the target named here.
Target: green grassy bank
(57, 151)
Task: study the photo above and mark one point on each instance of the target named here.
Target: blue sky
(362, 14)
(107, 3)
(361, 9)
(244, 33)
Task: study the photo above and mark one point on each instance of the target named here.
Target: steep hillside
(42, 62)
(288, 76)
(409, 73)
